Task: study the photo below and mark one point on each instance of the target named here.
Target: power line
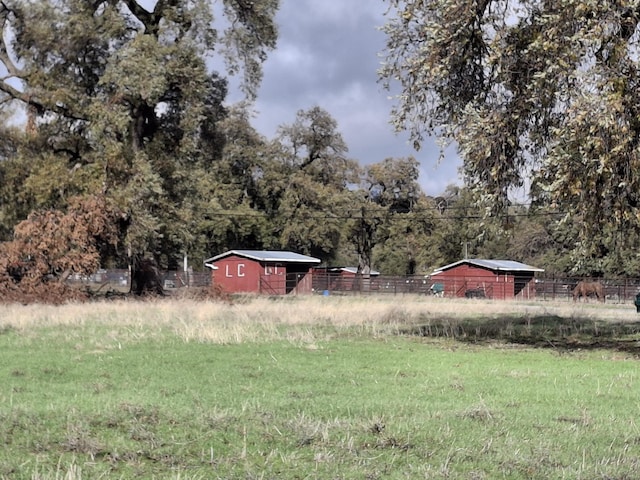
(388, 215)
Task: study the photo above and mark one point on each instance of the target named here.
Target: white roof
(267, 256)
(353, 270)
(499, 265)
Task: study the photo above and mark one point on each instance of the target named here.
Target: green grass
(115, 400)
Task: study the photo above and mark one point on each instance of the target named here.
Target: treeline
(117, 145)
(543, 94)
(299, 191)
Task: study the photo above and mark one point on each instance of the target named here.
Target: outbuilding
(480, 278)
(262, 271)
(342, 279)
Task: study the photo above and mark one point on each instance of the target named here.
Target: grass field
(319, 387)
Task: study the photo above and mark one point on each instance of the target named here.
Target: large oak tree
(308, 184)
(119, 100)
(529, 89)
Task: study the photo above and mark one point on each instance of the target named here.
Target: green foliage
(314, 145)
(119, 101)
(409, 245)
(14, 205)
(527, 89)
(252, 34)
(393, 183)
(308, 184)
(389, 193)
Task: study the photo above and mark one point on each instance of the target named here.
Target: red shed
(497, 279)
(262, 271)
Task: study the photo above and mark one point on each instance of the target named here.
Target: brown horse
(589, 289)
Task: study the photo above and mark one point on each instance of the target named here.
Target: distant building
(478, 278)
(340, 279)
(262, 271)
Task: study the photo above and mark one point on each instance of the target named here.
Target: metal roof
(267, 256)
(353, 270)
(499, 265)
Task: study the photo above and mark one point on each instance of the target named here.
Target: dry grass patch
(253, 319)
(301, 320)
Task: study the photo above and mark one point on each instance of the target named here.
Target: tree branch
(148, 19)
(4, 53)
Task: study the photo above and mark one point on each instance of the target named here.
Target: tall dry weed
(302, 319)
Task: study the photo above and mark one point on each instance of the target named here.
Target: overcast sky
(328, 55)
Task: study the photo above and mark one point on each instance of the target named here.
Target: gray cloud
(328, 55)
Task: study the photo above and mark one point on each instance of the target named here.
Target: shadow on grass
(542, 331)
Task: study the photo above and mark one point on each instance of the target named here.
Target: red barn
(262, 271)
(497, 279)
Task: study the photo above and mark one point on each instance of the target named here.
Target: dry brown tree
(51, 245)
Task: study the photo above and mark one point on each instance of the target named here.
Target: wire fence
(499, 287)
(616, 290)
(541, 288)
(119, 279)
